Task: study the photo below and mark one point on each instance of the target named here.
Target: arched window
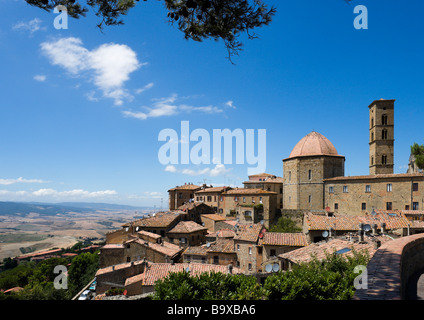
(372, 160)
(384, 119)
(384, 159)
(384, 134)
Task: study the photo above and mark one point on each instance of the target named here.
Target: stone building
(249, 253)
(313, 159)
(181, 194)
(268, 182)
(187, 233)
(222, 252)
(250, 205)
(210, 196)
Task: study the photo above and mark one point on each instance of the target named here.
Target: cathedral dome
(313, 144)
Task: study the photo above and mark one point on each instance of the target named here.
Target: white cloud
(170, 168)
(168, 107)
(109, 66)
(31, 26)
(40, 77)
(20, 180)
(230, 104)
(76, 193)
(146, 87)
(218, 170)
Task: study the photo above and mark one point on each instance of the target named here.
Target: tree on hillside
(418, 151)
(197, 19)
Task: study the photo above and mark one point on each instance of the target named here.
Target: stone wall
(389, 270)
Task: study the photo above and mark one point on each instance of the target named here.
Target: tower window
(388, 206)
(372, 136)
(415, 186)
(345, 189)
(372, 160)
(310, 199)
(310, 174)
(384, 119)
(367, 188)
(414, 205)
(331, 189)
(372, 122)
(389, 187)
(364, 206)
(384, 159)
(336, 206)
(384, 134)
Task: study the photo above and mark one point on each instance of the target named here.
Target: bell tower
(381, 136)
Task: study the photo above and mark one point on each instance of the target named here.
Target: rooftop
(314, 144)
(284, 239)
(187, 227)
(248, 232)
(377, 176)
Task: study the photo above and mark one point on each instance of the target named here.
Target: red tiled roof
(213, 189)
(42, 253)
(158, 271)
(321, 249)
(187, 227)
(213, 216)
(248, 232)
(284, 239)
(222, 245)
(196, 250)
(377, 176)
(165, 248)
(248, 191)
(185, 187)
(160, 220)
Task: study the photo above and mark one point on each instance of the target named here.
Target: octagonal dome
(313, 144)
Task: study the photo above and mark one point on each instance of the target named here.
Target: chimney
(361, 232)
(383, 227)
(230, 269)
(374, 229)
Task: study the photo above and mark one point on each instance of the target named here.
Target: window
(372, 122)
(188, 258)
(384, 159)
(250, 267)
(310, 198)
(372, 136)
(345, 189)
(128, 259)
(128, 246)
(384, 119)
(407, 207)
(238, 247)
(260, 199)
(336, 206)
(215, 259)
(372, 160)
(363, 206)
(367, 188)
(203, 260)
(289, 175)
(248, 213)
(180, 195)
(253, 200)
(389, 187)
(272, 252)
(384, 134)
(244, 199)
(415, 186)
(235, 198)
(250, 250)
(331, 189)
(414, 205)
(388, 206)
(310, 174)
(209, 198)
(281, 190)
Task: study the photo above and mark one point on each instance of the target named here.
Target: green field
(21, 237)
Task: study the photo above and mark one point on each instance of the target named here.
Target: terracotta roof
(156, 271)
(268, 180)
(117, 267)
(248, 191)
(149, 234)
(160, 220)
(196, 250)
(223, 233)
(320, 249)
(222, 245)
(313, 144)
(412, 212)
(213, 216)
(284, 239)
(262, 174)
(187, 227)
(41, 253)
(377, 176)
(112, 246)
(166, 248)
(185, 187)
(214, 189)
(248, 232)
(347, 222)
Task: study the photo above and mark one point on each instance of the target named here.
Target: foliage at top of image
(197, 19)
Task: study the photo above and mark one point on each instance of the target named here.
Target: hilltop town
(226, 229)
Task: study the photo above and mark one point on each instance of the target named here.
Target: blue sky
(81, 110)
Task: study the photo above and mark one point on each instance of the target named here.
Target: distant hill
(51, 209)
